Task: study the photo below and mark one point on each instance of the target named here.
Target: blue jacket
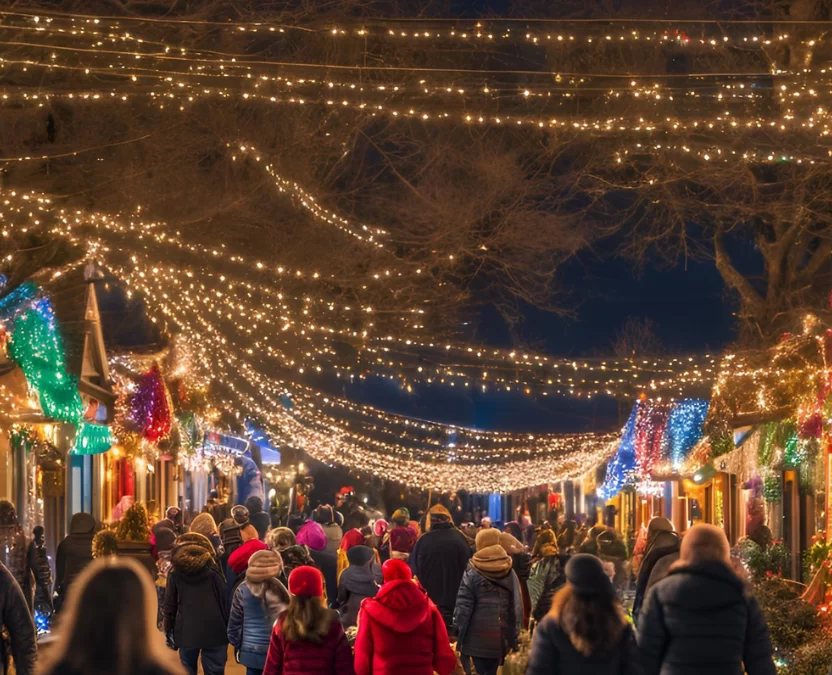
(249, 626)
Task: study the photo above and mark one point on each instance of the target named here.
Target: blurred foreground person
(257, 604)
(196, 607)
(701, 618)
(401, 630)
(586, 630)
(308, 638)
(108, 626)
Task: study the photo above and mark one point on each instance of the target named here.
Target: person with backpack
(701, 618)
(308, 638)
(586, 630)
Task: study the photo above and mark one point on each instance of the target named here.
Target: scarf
(492, 562)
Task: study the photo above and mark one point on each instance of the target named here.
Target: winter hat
(280, 538)
(172, 513)
(360, 555)
(402, 539)
(204, 524)
(380, 527)
(395, 570)
(312, 535)
(238, 561)
(165, 539)
(489, 537)
(438, 514)
(254, 504)
(324, 514)
(240, 515)
(352, 538)
(248, 532)
(163, 524)
(193, 553)
(230, 533)
(492, 562)
(306, 581)
(264, 565)
(400, 516)
(586, 575)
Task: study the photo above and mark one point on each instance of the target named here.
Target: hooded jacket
(254, 609)
(196, 607)
(665, 544)
(701, 620)
(489, 614)
(401, 632)
(439, 559)
(75, 551)
(357, 583)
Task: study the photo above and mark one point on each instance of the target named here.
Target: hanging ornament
(150, 406)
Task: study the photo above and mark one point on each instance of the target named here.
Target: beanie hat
(395, 569)
(360, 555)
(586, 575)
(280, 538)
(263, 565)
(488, 537)
(380, 527)
(312, 535)
(238, 561)
(204, 524)
(351, 538)
(400, 516)
(248, 532)
(306, 581)
(165, 539)
(230, 533)
(240, 514)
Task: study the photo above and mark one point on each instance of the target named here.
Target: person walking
(359, 581)
(42, 570)
(661, 542)
(325, 517)
(196, 606)
(108, 626)
(256, 605)
(489, 609)
(400, 630)
(14, 552)
(586, 630)
(312, 536)
(73, 555)
(259, 519)
(308, 638)
(439, 559)
(701, 617)
(205, 525)
(546, 577)
(401, 538)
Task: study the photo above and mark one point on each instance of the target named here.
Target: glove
(169, 641)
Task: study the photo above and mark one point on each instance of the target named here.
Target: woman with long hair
(308, 638)
(109, 625)
(586, 630)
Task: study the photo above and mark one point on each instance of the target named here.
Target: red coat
(301, 657)
(401, 632)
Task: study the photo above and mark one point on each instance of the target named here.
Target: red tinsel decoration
(150, 408)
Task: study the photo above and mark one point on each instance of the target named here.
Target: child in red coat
(400, 631)
(308, 638)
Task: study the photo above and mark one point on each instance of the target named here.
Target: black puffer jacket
(667, 543)
(196, 606)
(357, 582)
(439, 559)
(553, 654)
(75, 551)
(700, 619)
(488, 615)
(327, 563)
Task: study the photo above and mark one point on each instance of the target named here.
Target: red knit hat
(395, 569)
(306, 581)
(238, 561)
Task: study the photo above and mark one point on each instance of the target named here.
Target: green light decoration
(36, 346)
(92, 439)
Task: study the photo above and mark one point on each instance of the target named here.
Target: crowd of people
(416, 596)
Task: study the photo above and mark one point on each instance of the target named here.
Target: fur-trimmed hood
(192, 558)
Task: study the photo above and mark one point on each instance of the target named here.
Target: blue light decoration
(623, 463)
(684, 428)
(42, 622)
